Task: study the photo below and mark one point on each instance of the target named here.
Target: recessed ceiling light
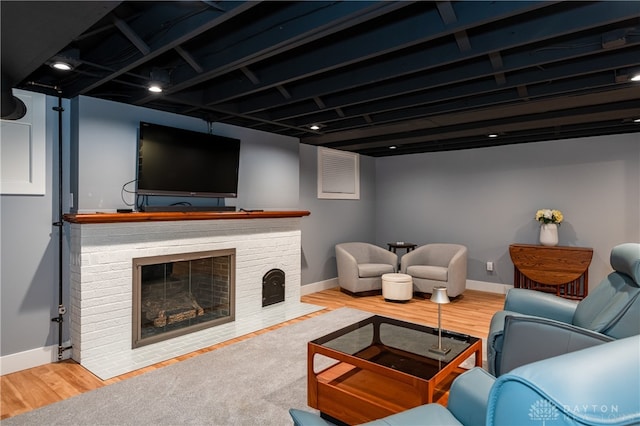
(160, 79)
(635, 77)
(316, 126)
(493, 135)
(62, 66)
(637, 120)
(65, 60)
(392, 147)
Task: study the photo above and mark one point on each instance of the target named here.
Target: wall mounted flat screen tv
(178, 162)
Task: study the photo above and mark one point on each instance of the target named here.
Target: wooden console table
(563, 271)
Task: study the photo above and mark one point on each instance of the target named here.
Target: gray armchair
(535, 326)
(434, 265)
(361, 266)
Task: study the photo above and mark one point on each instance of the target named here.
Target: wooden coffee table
(380, 366)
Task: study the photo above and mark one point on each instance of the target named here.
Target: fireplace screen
(180, 294)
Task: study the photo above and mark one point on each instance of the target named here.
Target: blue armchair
(593, 386)
(534, 325)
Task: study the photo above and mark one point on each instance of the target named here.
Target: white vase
(549, 234)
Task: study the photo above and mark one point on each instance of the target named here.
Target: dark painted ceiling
(421, 76)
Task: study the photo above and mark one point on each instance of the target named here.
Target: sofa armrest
(529, 339)
(531, 302)
(468, 397)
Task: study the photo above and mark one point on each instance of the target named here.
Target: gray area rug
(253, 382)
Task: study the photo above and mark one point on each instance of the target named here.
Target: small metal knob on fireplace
(273, 287)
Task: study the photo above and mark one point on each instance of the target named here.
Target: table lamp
(439, 296)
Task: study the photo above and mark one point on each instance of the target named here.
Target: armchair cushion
(438, 273)
(367, 270)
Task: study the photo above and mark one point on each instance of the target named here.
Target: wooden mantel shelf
(83, 218)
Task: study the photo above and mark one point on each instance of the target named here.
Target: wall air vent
(338, 174)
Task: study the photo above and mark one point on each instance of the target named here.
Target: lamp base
(439, 351)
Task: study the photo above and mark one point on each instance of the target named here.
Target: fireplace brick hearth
(102, 291)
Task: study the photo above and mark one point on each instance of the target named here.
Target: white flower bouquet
(549, 216)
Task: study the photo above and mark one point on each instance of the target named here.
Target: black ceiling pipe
(11, 108)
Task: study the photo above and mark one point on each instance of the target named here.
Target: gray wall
(106, 144)
(29, 256)
(486, 198)
(332, 221)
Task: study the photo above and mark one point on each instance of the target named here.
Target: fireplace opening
(179, 294)
(273, 287)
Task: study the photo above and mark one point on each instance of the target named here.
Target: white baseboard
(318, 286)
(488, 287)
(471, 285)
(31, 358)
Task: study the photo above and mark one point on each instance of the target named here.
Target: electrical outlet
(490, 266)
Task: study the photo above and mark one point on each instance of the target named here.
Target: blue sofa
(535, 325)
(599, 385)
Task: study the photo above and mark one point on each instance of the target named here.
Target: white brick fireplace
(101, 283)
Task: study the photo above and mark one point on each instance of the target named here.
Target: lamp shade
(439, 295)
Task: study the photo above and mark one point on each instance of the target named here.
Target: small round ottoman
(397, 287)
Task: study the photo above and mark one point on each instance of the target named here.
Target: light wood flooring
(39, 386)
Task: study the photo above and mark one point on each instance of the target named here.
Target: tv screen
(178, 162)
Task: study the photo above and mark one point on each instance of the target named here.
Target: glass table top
(401, 345)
